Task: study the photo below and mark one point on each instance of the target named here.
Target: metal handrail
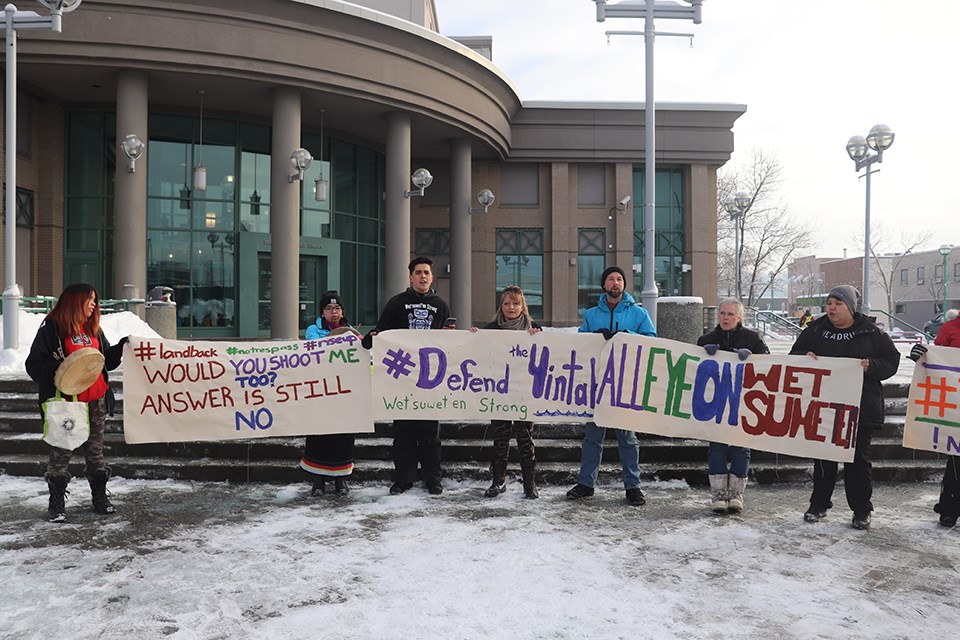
(772, 324)
(45, 304)
(894, 320)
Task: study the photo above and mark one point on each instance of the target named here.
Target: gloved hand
(744, 353)
(711, 349)
(606, 333)
(367, 341)
(124, 340)
(917, 352)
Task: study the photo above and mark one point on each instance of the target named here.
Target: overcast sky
(811, 73)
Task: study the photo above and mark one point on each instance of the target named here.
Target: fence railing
(44, 304)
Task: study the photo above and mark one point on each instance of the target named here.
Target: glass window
(520, 183)
(920, 275)
(591, 261)
(904, 277)
(435, 244)
(669, 231)
(520, 262)
(343, 160)
(590, 182)
(255, 192)
(956, 270)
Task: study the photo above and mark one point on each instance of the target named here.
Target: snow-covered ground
(203, 561)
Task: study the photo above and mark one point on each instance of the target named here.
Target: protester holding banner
(615, 311)
(844, 332)
(513, 314)
(71, 327)
(728, 484)
(420, 308)
(949, 504)
(329, 455)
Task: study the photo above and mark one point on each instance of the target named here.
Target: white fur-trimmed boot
(718, 487)
(736, 488)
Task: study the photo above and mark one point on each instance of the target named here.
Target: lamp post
(879, 139)
(18, 21)
(736, 205)
(649, 10)
(945, 250)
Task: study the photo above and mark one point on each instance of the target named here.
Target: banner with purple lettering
(181, 391)
(933, 404)
(487, 375)
(783, 404)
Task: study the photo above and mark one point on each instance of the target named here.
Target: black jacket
(47, 352)
(412, 310)
(737, 338)
(862, 340)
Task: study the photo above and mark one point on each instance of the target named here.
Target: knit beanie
(848, 295)
(608, 271)
(330, 297)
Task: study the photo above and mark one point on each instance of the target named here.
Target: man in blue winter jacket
(616, 311)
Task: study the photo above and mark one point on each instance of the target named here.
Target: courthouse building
(373, 92)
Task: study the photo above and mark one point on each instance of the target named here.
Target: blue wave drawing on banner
(554, 414)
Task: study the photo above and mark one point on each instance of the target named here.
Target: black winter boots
(56, 510)
(98, 489)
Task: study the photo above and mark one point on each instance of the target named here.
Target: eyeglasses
(512, 289)
(332, 307)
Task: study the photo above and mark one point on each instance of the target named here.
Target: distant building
(811, 279)
(918, 285)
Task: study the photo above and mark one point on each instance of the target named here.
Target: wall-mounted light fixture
(200, 171)
(321, 188)
(421, 179)
(300, 159)
(133, 148)
(485, 198)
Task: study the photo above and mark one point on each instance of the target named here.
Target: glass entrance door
(313, 284)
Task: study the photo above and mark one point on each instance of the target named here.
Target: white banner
(786, 404)
(933, 404)
(176, 391)
(783, 404)
(487, 375)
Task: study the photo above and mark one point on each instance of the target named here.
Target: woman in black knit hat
(331, 455)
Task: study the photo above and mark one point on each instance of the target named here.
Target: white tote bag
(66, 424)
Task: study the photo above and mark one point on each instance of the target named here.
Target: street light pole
(879, 139)
(737, 204)
(945, 250)
(18, 21)
(649, 10)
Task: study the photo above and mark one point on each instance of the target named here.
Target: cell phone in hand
(450, 322)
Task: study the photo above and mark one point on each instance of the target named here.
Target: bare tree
(895, 246)
(769, 236)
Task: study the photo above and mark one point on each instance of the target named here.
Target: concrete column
(396, 275)
(284, 217)
(700, 226)
(560, 264)
(130, 200)
(461, 241)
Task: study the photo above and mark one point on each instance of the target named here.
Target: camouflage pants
(503, 431)
(92, 448)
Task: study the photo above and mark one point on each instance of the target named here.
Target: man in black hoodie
(419, 307)
(844, 332)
